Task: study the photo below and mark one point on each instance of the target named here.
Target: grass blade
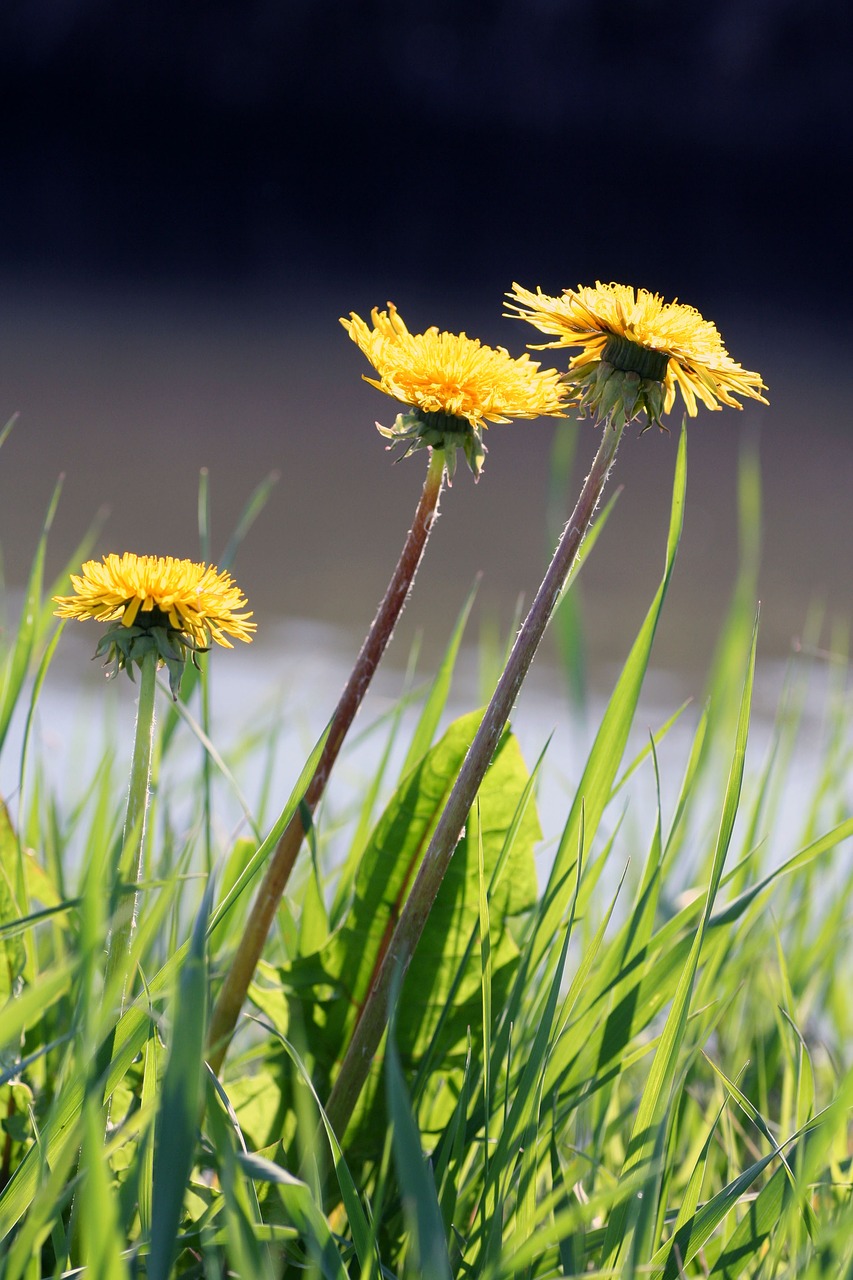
(646, 1139)
(599, 775)
(180, 1100)
(420, 1201)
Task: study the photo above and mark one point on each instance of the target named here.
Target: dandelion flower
(636, 351)
(454, 385)
(167, 606)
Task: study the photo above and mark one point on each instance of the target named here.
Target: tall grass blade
(148, 1101)
(420, 1201)
(21, 1257)
(100, 1233)
(599, 775)
(5, 431)
(359, 1225)
(761, 1217)
(180, 1099)
(257, 500)
(130, 1033)
(254, 864)
(422, 738)
(246, 1254)
(529, 1084)
(721, 694)
(15, 668)
(367, 808)
(646, 1143)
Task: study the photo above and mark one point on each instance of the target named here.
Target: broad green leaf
(391, 862)
(434, 1050)
(456, 912)
(345, 968)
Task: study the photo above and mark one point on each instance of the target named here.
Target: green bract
(418, 429)
(122, 647)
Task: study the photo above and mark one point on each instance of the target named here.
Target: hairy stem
(236, 984)
(130, 868)
(374, 1016)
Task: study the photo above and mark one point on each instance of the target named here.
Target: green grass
(646, 1074)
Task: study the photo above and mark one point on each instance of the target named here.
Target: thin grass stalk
(124, 921)
(371, 1025)
(204, 548)
(233, 991)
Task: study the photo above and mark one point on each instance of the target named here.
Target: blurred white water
(284, 686)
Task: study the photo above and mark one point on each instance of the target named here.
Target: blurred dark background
(701, 146)
(193, 193)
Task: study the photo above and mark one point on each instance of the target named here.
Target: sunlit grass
(641, 1066)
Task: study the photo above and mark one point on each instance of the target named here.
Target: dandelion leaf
(441, 996)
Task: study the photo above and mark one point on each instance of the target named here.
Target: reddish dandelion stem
(233, 991)
(374, 1016)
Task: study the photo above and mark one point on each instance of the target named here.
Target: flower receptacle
(420, 429)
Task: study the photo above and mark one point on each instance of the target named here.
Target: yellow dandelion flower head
(454, 385)
(160, 605)
(662, 347)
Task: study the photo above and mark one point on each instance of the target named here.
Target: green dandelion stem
(130, 864)
(233, 991)
(374, 1017)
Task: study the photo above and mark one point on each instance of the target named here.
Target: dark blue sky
(691, 148)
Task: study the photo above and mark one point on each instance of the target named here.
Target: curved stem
(130, 866)
(236, 984)
(374, 1016)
